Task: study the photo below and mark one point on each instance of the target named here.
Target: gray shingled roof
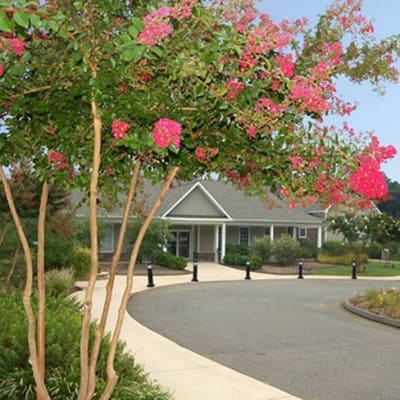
(235, 202)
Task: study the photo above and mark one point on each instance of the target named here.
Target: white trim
(302, 236)
(223, 242)
(186, 194)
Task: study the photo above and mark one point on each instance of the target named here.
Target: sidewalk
(188, 375)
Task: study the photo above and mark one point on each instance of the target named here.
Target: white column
(294, 232)
(198, 239)
(192, 242)
(319, 244)
(271, 233)
(223, 241)
(216, 243)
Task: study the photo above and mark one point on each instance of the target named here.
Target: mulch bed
(292, 269)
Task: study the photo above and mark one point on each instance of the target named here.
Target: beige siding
(206, 238)
(232, 235)
(256, 232)
(196, 204)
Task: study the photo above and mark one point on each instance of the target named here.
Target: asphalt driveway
(291, 334)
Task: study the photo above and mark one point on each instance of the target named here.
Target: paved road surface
(291, 334)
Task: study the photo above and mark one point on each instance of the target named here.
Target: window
(267, 231)
(303, 233)
(244, 236)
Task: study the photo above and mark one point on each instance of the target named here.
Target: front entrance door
(180, 243)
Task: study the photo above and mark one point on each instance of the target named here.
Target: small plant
(59, 282)
(79, 262)
(286, 249)
(334, 248)
(241, 249)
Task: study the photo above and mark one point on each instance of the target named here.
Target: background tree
(392, 206)
(177, 90)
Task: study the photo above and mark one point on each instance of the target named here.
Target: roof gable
(196, 203)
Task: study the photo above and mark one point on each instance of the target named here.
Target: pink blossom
(166, 132)
(119, 129)
(1, 70)
(200, 153)
(57, 159)
(18, 46)
(368, 180)
(283, 192)
(286, 65)
(233, 89)
(296, 161)
(154, 32)
(251, 131)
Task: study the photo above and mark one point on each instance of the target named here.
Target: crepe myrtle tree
(99, 94)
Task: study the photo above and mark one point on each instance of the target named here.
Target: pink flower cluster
(311, 96)
(274, 110)
(166, 132)
(1, 70)
(17, 46)
(57, 159)
(286, 65)
(368, 180)
(157, 25)
(205, 154)
(119, 129)
(233, 88)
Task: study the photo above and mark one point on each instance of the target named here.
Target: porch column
(223, 241)
(319, 243)
(216, 232)
(294, 232)
(271, 233)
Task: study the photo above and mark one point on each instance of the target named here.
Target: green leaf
(133, 31)
(5, 24)
(156, 50)
(35, 21)
(133, 53)
(21, 19)
(53, 26)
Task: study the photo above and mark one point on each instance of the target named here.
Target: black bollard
(247, 270)
(150, 280)
(353, 270)
(195, 266)
(300, 270)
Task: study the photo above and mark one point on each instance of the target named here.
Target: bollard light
(354, 270)
(195, 266)
(247, 270)
(300, 270)
(150, 280)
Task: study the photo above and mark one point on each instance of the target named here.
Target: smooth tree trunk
(111, 279)
(112, 377)
(87, 305)
(41, 391)
(41, 318)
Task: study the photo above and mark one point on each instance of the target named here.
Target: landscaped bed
(382, 302)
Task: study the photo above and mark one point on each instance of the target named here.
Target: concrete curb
(395, 323)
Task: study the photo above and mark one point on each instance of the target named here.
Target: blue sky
(380, 114)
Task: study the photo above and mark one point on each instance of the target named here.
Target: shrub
(343, 259)
(374, 250)
(63, 321)
(308, 250)
(239, 259)
(262, 248)
(168, 260)
(79, 261)
(285, 249)
(334, 248)
(241, 249)
(59, 282)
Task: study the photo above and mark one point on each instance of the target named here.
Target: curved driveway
(288, 333)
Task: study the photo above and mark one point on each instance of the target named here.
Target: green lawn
(375, 268)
